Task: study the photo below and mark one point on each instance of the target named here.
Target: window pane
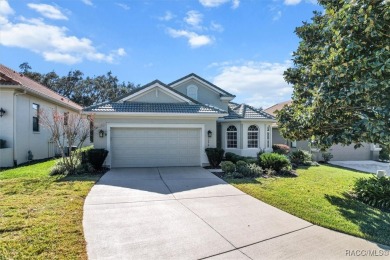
(35, 124)
(231, 137)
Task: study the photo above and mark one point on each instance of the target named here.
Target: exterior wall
(102, 121)
(339, 152)
(155, 96)
(7, 127)
(19, 135)
(242, 137)
(205, 94)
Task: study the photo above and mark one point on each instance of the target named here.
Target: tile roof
(139, 107)
(33, 86)
(272, 110)
(225, 93)
(243, 111)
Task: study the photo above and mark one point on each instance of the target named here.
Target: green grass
(41, 215)
(320, 196)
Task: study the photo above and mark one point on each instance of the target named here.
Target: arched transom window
(192, 92)
(231, 137)
(253, 136)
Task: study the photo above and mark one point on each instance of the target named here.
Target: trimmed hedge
(274, 161)
(215, 156)
(281, 148)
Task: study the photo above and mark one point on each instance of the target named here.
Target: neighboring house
(21, 99)
(172, 124)
(339, 152)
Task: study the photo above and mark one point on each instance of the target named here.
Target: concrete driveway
(188, 213)
(365, 166)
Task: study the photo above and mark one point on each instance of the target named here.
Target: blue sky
(242, 46)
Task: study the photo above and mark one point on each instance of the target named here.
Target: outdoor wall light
(101, 133)
(209, 133)
(2, 112)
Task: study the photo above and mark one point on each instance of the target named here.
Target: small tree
(67, 130)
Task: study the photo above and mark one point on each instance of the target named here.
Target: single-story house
(21, 99)
(340, 152)
(171, 125)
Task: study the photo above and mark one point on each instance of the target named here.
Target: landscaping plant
(274, 161)
(384, 154)
(228, 167)
(374, 191)
(327, 156)
(300, 157)
(281, 148)
(215, 156)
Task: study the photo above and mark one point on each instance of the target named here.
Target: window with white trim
(192, 92)
(35, 112)
(253, 136)
(268, 136)
(231, 137)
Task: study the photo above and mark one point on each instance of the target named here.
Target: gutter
(14, 125)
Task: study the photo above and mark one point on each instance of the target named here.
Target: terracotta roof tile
(272, 110)
(31, 85)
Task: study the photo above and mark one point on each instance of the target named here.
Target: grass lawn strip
(320, 196)
(41, 215)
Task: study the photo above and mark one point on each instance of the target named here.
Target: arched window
(253, 136)
(192, 92)
(231, 137)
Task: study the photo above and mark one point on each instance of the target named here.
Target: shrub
(281, 148)
(96, 157)
(374, 191)
(260, 152)
(215, 156)
(250, 160)
(58, 169)
(242, 167)
(229, 156)
(228, 166)
(255, 170)
(274, 161)
(327, 156)
(300, 157)
(384, 154)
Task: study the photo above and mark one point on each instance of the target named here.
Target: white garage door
(151, 147)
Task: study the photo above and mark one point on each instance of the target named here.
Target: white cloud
(193, 18)
(216, 27)
(292, 2)
(216, 3)
(48, 11)
(194, 40)
(5, 9)
(52, 42)
(254, 83)
(277, 15)
(123, 6)
(87, 2)
(167, 16)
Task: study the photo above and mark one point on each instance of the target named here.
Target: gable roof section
(138, 107)
(275, 108)
(222, 92)
(35, 87)
(243, 111)
(151, 85)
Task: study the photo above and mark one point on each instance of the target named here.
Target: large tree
(341, 76)
(84, 91)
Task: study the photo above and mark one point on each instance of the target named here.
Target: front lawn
(41, 215)
(320, 196)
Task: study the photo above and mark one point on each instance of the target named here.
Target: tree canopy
(85, 91)
(341, 76)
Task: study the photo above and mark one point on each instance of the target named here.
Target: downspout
(14, 125)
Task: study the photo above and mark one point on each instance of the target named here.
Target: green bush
(215, 156)
(250, 160)
(384, 154)
(300, 157)
(228, 167)
(327, 156)
(373, 191)
(96, 157)
(281, 148)
(255, 170)
(229, 156)
(274, 161)
(58, 169)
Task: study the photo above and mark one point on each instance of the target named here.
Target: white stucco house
(172, 124)
(20, 101)
(340, 152)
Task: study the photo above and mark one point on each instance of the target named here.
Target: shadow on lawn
(375, 224)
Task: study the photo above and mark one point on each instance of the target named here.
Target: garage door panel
(136, 147)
